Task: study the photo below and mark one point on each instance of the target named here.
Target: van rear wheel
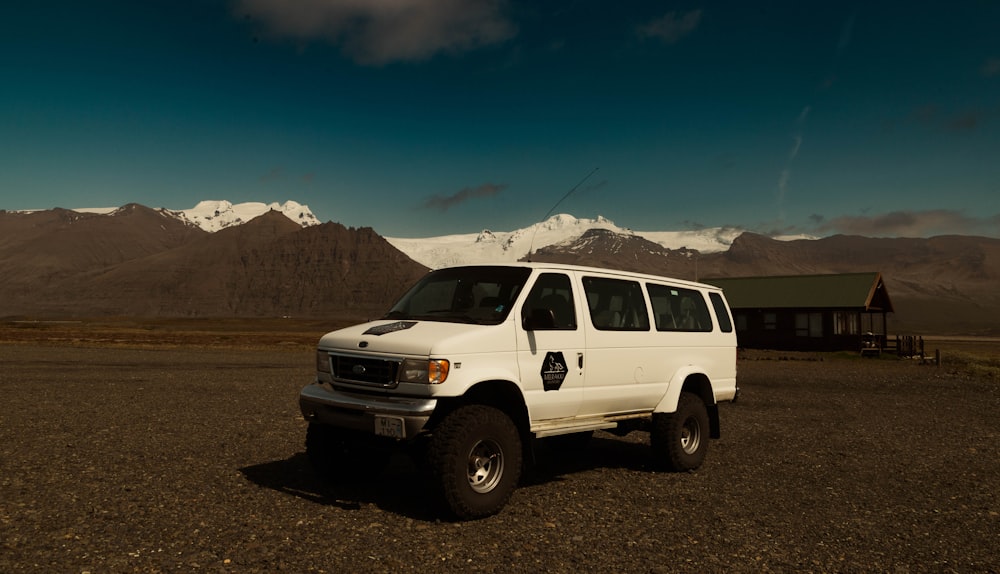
(475, 461)
(680, 439)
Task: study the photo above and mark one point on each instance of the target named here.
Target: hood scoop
(390, 328)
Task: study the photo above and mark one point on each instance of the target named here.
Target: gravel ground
(189, 459)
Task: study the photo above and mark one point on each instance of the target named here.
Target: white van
(474, 362)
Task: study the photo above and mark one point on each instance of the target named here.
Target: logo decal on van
(553, 370)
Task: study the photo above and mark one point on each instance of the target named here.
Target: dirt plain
(174, 448)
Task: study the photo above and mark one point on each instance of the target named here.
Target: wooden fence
(907, 346)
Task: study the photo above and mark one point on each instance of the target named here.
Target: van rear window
(679, 309)
(721, 312)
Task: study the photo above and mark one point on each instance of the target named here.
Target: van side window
(616, 304)
(721, 312)
(552, 293)
(679, 309)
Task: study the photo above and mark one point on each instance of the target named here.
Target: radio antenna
(531, 245)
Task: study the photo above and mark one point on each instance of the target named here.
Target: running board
(569, 425)
(574, 427)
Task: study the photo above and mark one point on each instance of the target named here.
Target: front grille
(365, 370)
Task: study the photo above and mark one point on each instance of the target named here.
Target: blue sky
(423, 118)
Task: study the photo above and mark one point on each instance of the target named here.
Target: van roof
(602, 270)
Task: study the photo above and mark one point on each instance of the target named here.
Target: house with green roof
(808, 312)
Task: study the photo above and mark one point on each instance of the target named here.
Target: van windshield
(481, 295)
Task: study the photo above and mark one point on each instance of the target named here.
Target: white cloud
(796, 145)
(786, 174)
(381, 31)
(911, 224)
(446, 202)
(672, 26)
(803, 115)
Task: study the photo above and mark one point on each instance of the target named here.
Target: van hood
(413, 338)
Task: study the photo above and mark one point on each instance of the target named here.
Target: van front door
(550, 346)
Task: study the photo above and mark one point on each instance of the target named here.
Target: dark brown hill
(947, 259)
(605, 248)
(66, 241)
(945, 284)
(199, 278)
(332, 270)
(45, 254)
(267, 267)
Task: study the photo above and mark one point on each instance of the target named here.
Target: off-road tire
(340, 455)
(474, 458)
(680, 439)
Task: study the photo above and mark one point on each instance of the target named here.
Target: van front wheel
(680, 439)
(475, 461)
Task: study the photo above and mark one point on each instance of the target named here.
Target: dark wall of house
(780, 329)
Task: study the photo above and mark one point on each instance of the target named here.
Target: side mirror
(539, 319)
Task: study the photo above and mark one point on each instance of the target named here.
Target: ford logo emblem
(358, 369)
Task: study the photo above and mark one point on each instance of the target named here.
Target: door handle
(579, 360)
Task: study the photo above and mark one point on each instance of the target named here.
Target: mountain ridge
(208, 215)
(138, 261)
(495, 246)
(269, 266)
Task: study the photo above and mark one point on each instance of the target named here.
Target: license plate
(389, 426)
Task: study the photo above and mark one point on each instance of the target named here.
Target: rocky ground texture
(190, 458)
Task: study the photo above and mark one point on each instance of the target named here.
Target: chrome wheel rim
(485, 466)
(690, 435)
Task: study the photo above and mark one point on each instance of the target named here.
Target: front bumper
(319, 402)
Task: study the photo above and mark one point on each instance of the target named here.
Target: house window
(809, 324)
(815, 324)
(845, 323)
(770, 321)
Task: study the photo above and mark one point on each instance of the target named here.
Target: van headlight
(427, 371)
(322, 361)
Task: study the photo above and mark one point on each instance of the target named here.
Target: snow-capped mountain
(213, 215)
(559, 231)
(499, 246)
